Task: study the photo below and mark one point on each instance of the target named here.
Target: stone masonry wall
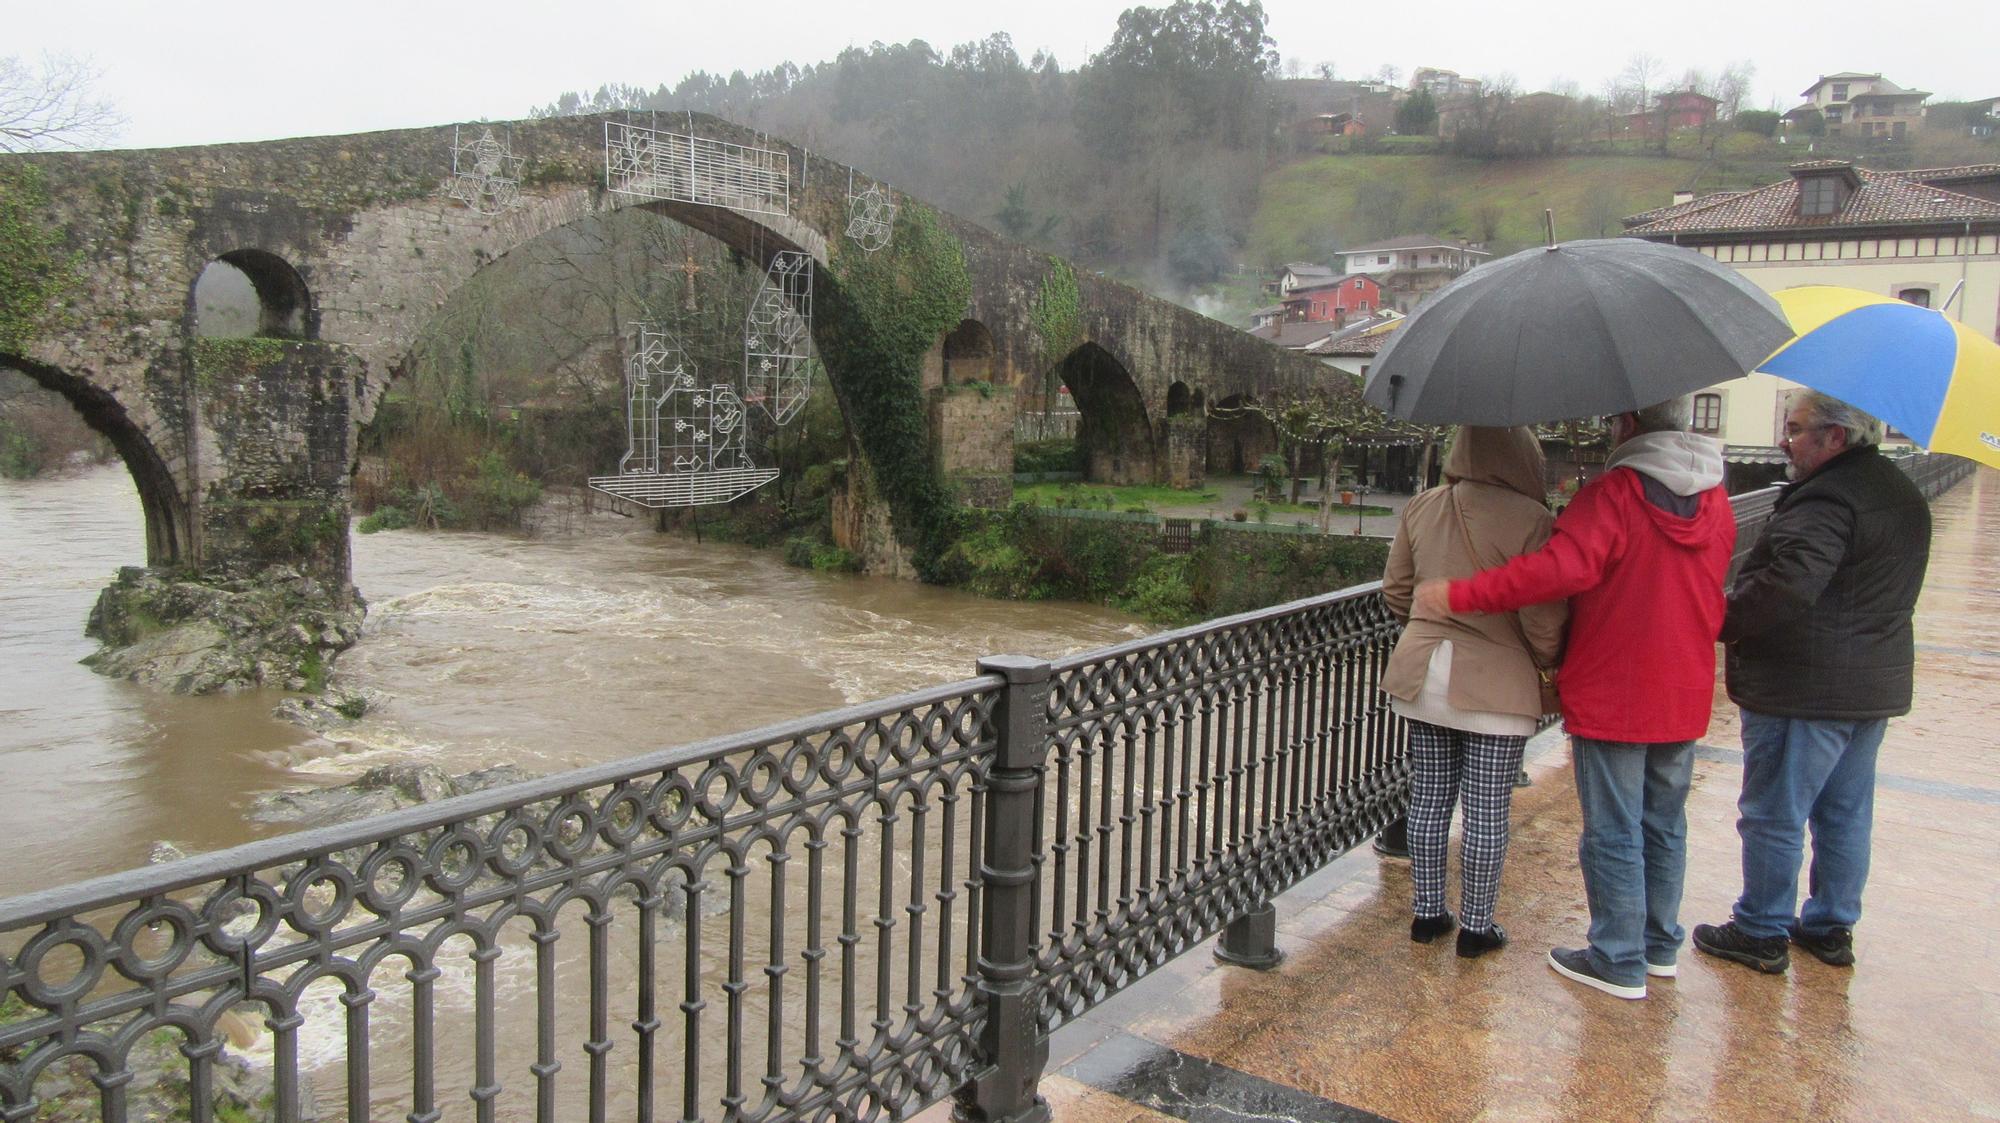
(273, 439)
(973, 431)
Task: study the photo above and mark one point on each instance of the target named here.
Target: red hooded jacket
(1645, 607)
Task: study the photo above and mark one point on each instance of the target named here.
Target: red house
(1676, 109)
(1336, 301)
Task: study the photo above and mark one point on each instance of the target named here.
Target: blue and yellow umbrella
(1930, 377)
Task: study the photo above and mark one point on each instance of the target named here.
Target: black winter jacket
(1818, 624)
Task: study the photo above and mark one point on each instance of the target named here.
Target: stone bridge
(242, 450)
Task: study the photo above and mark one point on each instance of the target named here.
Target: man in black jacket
(1820, 657)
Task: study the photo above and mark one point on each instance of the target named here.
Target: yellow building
(1926, 236)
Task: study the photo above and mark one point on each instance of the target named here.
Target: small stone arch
(1113, 434)
(968, 354)
(284, 304)
(1238, 437)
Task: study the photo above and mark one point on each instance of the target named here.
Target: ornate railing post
(1251, 940)
(1010, 1044)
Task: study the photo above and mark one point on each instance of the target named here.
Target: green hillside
(1308, 209)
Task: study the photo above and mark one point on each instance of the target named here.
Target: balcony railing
(849, 916)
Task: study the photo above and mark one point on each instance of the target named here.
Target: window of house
(1919, 297)
(1708, 413)
(1382, 259)
(1833, 115)
(1819, 195)
(1840, 92)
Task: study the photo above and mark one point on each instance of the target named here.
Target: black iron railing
(849, 916)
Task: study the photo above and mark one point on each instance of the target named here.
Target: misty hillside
(1180, 160)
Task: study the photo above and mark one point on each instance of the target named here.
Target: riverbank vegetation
(1025, 553)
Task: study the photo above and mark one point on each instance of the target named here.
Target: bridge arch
(168, 533)
(969, 354)
(284, 303)
(1113, 434)
(1238, 437)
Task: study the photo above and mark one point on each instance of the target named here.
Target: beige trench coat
(1490, 671)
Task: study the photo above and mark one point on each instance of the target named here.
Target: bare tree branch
(51, 106)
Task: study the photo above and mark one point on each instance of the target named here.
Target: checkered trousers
(1481, 767)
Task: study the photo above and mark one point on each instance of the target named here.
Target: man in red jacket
(1641, 555)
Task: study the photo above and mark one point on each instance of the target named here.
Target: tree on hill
(1418, 115)
(1763, 122)
(1194, 69)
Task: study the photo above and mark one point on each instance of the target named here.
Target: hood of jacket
(1509, 458)
(1687, 463)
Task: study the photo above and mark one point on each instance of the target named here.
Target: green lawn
(1107, 497)
(1338, 509)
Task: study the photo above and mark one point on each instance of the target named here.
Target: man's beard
(1791, 472)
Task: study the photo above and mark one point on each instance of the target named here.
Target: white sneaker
(1663, 970)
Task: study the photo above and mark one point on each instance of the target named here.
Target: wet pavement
(1359, 1023)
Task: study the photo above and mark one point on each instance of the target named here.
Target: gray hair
(1674, 415)
(1823, 409)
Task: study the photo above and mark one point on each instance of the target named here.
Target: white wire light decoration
(686, 444)
(683, 167)
(777, 338)
(871, 215)
(485, 173)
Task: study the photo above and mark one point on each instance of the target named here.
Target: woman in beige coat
(1469, 685)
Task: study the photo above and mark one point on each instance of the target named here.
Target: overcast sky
(229, 70)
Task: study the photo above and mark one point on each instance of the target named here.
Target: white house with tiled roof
(1413, 266)
(1920, 235)
(1856, 104)
(1300, 274)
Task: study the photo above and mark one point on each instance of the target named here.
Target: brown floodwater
(593, 640)
(590, 641)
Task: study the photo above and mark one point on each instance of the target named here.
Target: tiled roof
(1370, 344)
(1410, 242)
(1882, 199)
(1296, 336)
(1329, 284)
(1888, 95)
(1947, 175)
(1310, 270)
(1661, 212)
(1273, 310)
(1843, 76)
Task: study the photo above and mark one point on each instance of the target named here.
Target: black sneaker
(1472, 945)
(1424, 929)
(1833, 947)
(1574, 964)
(1727, 941)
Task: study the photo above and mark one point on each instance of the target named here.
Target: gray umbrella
(1578, 329)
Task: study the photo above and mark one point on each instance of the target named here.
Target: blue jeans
(1633, 851)
(1798, 771)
